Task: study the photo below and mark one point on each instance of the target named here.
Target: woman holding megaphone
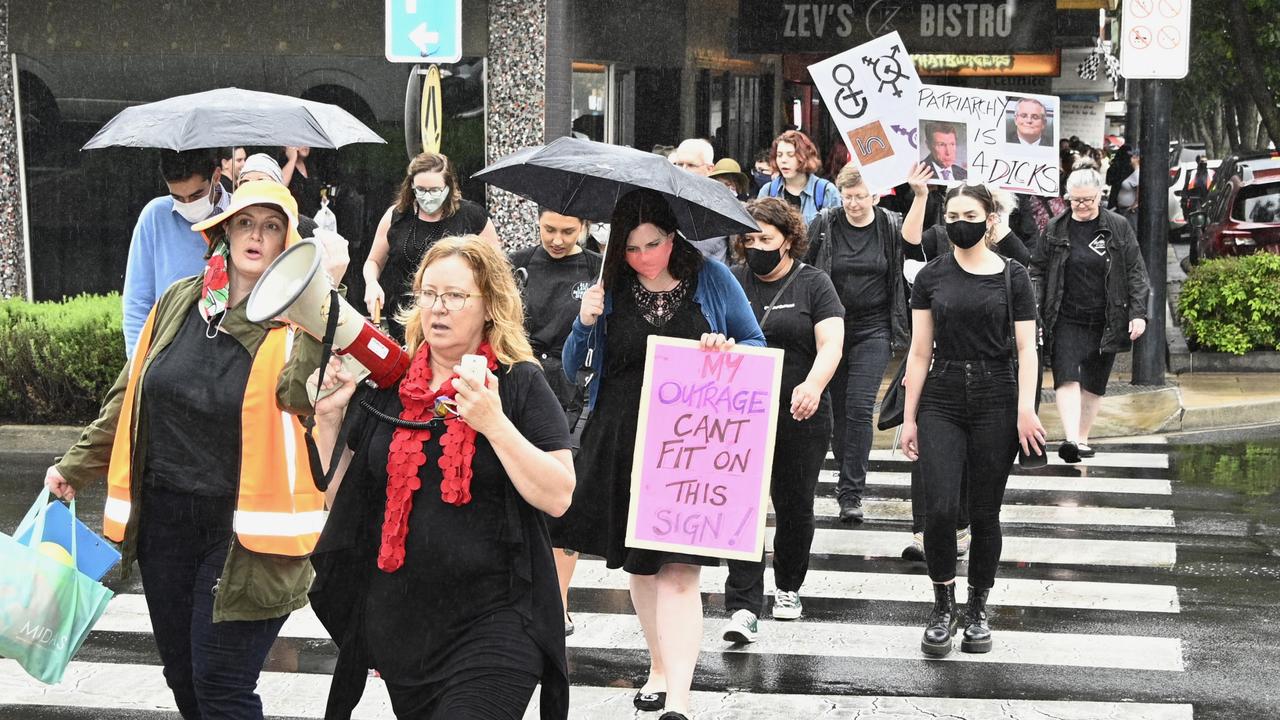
(207, 483)
(435, 567)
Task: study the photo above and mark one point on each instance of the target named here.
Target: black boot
(977, 634)
(942, 622)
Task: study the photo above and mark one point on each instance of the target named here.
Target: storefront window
(590, 100)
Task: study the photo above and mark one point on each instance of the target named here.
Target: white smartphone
(475, 366)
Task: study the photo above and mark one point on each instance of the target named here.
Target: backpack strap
(775, 187)
(821, 194)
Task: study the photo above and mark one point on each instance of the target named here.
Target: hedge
(1233, 304)
(58, 359)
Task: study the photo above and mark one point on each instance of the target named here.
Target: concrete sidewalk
(1193, 401)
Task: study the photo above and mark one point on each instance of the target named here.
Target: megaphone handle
(377, 311)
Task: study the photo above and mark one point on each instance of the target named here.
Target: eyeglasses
(857, 198)
(1029, 116)
(687, 165)
(452, 300)
(1083, 201)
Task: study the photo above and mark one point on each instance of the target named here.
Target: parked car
(1178, 176)
(1242, 213)
(1181, 151)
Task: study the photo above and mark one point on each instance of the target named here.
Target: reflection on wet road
(1143, 584)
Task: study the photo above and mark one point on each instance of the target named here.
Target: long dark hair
(633, 210)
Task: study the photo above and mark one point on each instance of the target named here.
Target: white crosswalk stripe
(1059, 560)
(1046, 483)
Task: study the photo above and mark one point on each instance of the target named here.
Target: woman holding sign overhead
(655, 283)
(800, 312)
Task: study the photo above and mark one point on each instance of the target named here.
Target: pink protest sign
(704, 449)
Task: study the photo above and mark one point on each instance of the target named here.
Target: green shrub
(58, 359)
(1233, 304)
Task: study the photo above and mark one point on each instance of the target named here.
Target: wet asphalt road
(1225, 579)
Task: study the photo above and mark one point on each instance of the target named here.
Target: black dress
(474, 575)
(596, 523)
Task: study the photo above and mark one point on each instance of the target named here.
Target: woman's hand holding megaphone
(340, 386)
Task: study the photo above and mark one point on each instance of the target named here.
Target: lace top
(658, 307)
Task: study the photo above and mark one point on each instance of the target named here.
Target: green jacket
(252, 586)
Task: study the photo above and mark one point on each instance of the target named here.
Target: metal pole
(559, 71)
(1149, 353)
(1132, 112)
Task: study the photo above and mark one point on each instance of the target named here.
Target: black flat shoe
(651, 701)
(672, 715)
(1069, 452)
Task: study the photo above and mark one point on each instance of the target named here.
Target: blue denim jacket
(723, 303)
(808, 197)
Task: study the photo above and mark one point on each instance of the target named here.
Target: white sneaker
(786, 605)
(962, 542)
(741, 628)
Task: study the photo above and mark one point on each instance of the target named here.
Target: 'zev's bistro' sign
(986, 26)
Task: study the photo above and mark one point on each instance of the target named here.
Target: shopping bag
(47, 606)
(94, 555)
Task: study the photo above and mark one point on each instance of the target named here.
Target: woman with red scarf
(436, 553)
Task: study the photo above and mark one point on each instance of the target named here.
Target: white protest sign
(1009, 140)
(1085, 120)
(871, 91)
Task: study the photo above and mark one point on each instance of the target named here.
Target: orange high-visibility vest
(279, 511)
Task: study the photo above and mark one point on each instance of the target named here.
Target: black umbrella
(231, 116)
(584, 179)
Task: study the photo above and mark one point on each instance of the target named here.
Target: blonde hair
(849, 176)
(505, 330)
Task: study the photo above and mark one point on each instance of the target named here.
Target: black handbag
(893, 405)
(1032, 460)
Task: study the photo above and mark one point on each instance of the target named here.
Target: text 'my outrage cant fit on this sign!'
(704, 449)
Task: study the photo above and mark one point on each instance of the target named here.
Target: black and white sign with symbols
(1156, 35)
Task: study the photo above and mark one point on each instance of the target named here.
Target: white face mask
(196, 210)
(431, 200)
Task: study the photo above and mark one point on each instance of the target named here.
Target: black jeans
(853, 395)
(797, 462)
(968, 419)
(918, 502)
(211, 667)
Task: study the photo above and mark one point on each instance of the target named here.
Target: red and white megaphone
(295, 288)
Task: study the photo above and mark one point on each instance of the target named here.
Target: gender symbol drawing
(910, 135)
(888, 70)
(847, 93)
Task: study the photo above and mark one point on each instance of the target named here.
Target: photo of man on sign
(945, 149)
(1028, 122)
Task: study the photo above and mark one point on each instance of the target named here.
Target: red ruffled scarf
(407, 456)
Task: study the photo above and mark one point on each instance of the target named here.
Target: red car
(1243, 209)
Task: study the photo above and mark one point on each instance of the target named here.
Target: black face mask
(964, 234)
(763, 262)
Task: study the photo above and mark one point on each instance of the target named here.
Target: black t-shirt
(459, 560)
(934, 242)
(191, 398)
(810, 299)
(859, 270)
(553, 290)
(970, 312)
(1084, 294)
(796, 201)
